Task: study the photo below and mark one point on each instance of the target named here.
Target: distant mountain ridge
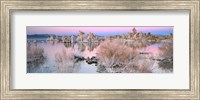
(42, 35)
(48, 35)
(39, 35)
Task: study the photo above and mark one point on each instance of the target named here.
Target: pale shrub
(139, 65)
(65, 60)
(113, 55)
(64, 56)
(34, 51)
(166, 49)
(167, 54)
(115, 50)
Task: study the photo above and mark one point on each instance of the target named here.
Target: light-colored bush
(166, 50)
(113, 54)
(115, 50)
(65, 60)
(34, 51)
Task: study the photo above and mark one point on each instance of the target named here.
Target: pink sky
(65, 30)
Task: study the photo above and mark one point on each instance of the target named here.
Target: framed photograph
(105, 49)
(115, 49)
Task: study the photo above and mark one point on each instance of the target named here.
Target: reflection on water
(57, 57)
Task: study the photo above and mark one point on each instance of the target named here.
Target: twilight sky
(100, 31)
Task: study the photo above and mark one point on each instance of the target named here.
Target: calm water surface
(58, 57)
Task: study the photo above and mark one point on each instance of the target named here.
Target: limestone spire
(134, 30)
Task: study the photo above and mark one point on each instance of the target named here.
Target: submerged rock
(158, 59)
(166, 63)
(78, 58)
(117, 65)
(101, 69)
(144, 53)
(92, 60)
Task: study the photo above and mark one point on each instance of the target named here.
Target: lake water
(58, 57)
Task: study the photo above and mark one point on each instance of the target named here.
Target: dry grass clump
(65, 60)
(166, 49)
(64, 56)
(34, 51)
(113, 55)
(115, 50)
(139, 65)
(35, 56)
(167, 55)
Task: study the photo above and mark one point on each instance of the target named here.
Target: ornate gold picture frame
(9, 6)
